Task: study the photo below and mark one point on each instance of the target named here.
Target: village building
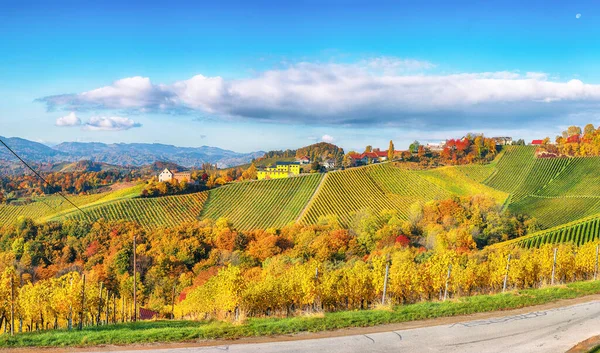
(168, 175)
(303, 160)
(328, 163)
(537, 142)
(503, 141)
(365, 158)
(279, 171)
(436, 147)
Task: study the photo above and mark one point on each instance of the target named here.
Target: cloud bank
(111, 123)
(378, 92)
(98, 123)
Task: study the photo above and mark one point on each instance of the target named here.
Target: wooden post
(107, 305)
(447, 279)
(596, 268)
(82, 304)
(99, 305)
(506, 274)
(134, 282)
(385, 281)
(123, 309)
(114, 308)
(553, 267)
(173, 304)
(12, 305)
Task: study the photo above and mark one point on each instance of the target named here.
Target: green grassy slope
(261, 204)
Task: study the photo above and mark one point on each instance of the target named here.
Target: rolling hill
(556, 192)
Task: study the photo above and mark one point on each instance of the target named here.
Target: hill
(122, 154)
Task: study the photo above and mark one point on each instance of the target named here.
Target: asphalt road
(554, 330)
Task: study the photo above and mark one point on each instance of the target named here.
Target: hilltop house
(328, 163)
(503, 140)
(280, 170)
(537, 142)
(436, 147)
(368, 157)
(168, 175)
(303, 160)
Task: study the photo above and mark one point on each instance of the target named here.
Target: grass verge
(173, 331)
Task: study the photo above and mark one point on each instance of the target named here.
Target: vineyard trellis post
(447, 280)
(385, 280)
(134, 282)
(70, 321)
(506, 274)
(82, 304)
(99, 305)
(553, 267)
(596, 267)
(12, 305)
(173, 304)
(107, 305)
(115, 308)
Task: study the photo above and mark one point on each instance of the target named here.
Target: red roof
(537, 142)
(304, 158)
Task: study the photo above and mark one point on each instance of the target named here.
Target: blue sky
(278, 75)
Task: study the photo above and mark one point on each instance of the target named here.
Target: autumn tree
(390, 155)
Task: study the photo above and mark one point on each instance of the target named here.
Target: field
(512, 168)
(261, 204)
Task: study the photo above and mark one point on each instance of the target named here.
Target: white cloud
(578, 16)
(327, 138)
(112, 123)
(378, 92)
(68, 120)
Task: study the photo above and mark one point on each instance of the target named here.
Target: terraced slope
(581, 177)
(50, 207)
(455, 181)
(261, 204)
(148, 212)
(551, 212)
(513, 168)
(477, 172)
(376, 188)
(578, 232)
(43, 207)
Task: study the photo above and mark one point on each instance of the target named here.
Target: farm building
(303, 160)
(368, 157)
(503, 140)
(436, 147)
(537, 142)
(168, 175)
(328, 163)
(280, 170)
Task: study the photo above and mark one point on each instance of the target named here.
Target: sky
(263, 75)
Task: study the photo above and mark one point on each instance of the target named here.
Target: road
(553, 330)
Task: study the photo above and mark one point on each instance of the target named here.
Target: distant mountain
(123, 154)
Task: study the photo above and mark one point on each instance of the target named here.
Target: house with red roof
(303, 160)
(537, 142)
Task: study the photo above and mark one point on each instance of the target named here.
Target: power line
(41, 178)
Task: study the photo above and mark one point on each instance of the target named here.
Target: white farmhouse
(165, 175)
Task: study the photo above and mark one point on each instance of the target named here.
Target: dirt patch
(326, 334)
(586, 346)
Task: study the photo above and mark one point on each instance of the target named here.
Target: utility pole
(134, 282)
(82, 304)
(506, 274)
(385, 281)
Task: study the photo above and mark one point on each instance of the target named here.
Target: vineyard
(578, 232)
(49, 207)
(261, 204)
(148, 212)
(512, 168)
(375, 188)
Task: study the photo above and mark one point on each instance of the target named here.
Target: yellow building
(279, 171)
